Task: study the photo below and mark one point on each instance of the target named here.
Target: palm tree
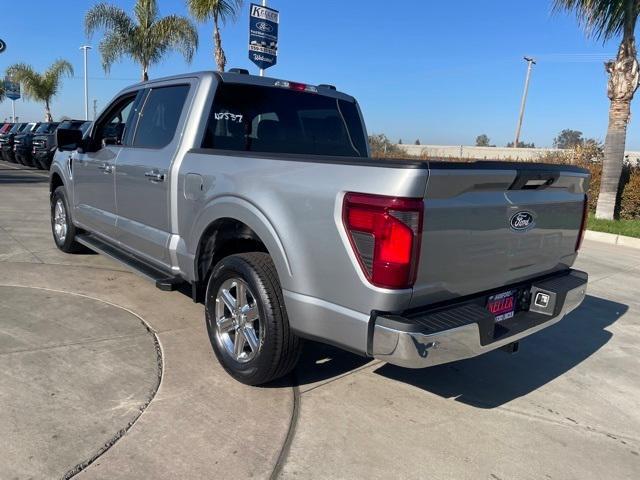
(604, 20)
(219, 10)
(145, 38)
(2, 94)
(41, 86)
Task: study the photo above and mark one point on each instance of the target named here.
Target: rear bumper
(465, 330)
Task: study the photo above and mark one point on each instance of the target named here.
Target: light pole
(86, 48)
(530, 62)
(264, 4)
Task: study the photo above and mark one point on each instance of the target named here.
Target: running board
(163, 281)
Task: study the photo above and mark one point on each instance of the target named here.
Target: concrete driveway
(104, 376)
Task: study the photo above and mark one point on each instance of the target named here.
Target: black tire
(279, 348)
(67, 244)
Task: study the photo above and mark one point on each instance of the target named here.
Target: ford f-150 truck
(261, 195)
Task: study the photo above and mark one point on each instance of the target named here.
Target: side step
(163, 280)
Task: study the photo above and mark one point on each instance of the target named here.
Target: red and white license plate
(502, 305)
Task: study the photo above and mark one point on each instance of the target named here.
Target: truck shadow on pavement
(21, 175)
(496, 378)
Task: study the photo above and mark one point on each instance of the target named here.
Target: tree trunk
(47, 112)
(221, 59)
(623, 82)
(619, 111)
(145, 73)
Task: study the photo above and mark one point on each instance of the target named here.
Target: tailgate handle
(534, 180)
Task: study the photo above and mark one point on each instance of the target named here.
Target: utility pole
(86, 48)
(264, 4)
(531, 62)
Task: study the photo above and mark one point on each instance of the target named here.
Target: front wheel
(64, 232)
(247, 320)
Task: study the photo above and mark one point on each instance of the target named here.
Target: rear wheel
(247, 320)
(64, 232)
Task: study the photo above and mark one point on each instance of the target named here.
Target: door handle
(106, 168)
(154, 176)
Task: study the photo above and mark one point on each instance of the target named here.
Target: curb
(612, 239)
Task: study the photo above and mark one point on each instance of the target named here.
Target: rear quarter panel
(295, 207)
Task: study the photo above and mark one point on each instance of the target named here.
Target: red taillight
(583, 224)
(385, 234)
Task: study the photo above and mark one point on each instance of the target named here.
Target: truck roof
(243, 78)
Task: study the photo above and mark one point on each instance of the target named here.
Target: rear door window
(276, 120)
(160, 116)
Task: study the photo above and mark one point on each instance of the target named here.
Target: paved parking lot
(104, 376)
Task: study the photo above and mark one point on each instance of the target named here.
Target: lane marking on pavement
(291, 431)
(160, 364)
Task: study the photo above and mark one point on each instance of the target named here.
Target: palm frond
(603, 19)
(30, 80)
(203, 10)
(58, 69)
(176, 32)
(40, 86)
(107, 17)
(146, 12)
(113, 46)
(53, 75)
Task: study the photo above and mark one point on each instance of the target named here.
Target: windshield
(17, 127)
(47, 128)
(270, 119)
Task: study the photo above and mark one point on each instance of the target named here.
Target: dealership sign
(263, 36)
(11, 89)
(3, 46)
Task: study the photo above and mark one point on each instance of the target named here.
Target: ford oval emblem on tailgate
(522, 220)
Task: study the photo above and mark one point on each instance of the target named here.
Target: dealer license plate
(502, 305)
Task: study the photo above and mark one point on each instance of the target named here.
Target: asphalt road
(102, 374)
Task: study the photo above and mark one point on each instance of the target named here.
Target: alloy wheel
(238, 325)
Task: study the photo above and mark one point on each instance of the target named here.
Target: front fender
(60, 166)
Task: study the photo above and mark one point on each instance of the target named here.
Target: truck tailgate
(491, 224)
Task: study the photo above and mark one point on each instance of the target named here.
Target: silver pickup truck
(261, 195)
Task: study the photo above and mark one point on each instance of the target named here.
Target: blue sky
(443, 72)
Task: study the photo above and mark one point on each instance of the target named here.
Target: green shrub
(382, 147)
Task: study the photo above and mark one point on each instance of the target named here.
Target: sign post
(263, 36)
(12, 91)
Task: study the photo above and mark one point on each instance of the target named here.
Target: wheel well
(224, 237)
(56, 181)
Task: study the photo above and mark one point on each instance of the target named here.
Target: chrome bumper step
(467, 330)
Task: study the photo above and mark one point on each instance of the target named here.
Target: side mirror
(109, 141)
(68, 140)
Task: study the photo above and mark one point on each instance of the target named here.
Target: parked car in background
(43, 145)
(6, 141)
(22, 145)
(5, 127)
(262, 196)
